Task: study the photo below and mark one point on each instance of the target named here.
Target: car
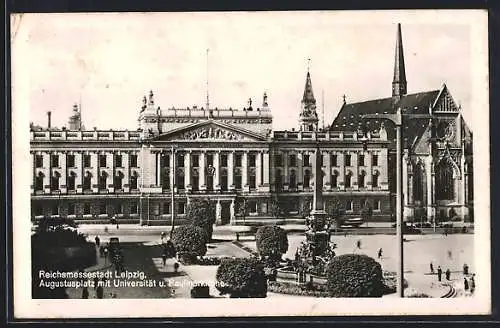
(446, 224)
(411, 230)
(423, 225)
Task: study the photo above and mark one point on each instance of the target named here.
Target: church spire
(399, 80)
(308, 115)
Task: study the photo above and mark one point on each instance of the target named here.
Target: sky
(108, 62)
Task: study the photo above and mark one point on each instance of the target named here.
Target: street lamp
(172, 187)
(397, 119)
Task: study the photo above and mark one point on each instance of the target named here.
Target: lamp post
(397, 119)
(173, 187)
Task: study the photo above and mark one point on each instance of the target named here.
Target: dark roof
(349, 117)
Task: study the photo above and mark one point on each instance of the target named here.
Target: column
(355, 169)
(429, 169)
(110, 163)
(79, 172)
(94, 163)
(369, 170)
(47, 172)
(158, 169)
(265, 165)
(217, 171)
(230, 170)
(244, 171)
(300, 170)
(187, 171)
(218, 212)
(328, 171)
(286, 180)
(384, 174)
(203, 186)
(341, 164)
(172, 174)
(126, 171)
(258, 168)
(64, 172)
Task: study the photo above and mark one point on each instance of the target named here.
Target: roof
(349, 117)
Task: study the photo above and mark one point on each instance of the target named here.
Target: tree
(271, 242)
(241, 278)
(190, 241)
(201, 213)
(354, 275)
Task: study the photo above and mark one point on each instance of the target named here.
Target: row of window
(87, 182)
(333, 179)
(195, 160)
(306, 160)
(107, 209)
(70, 161)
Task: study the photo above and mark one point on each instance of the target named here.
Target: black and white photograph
(250, 163)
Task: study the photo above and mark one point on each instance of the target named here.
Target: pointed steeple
(399, 80)
(308, 116)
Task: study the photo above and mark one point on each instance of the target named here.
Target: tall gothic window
(445, 188)
(418, 183)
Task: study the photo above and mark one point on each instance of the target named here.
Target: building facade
(252, 173)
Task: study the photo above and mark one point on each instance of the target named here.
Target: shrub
(298, 290)
(354, 275)
(189, 242)
(201, 213)
(200, 291)
(241, 278)
(271, 241)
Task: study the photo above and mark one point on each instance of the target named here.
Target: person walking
(358, 244)
(440, 272)
(380, 253)
(164, 258)
(466, 284)
(97, 241)
(432, 268)
(85, 292)
(466, 269)
(472, 284)
(448, 273)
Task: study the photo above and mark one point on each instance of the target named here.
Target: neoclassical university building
(233, 157)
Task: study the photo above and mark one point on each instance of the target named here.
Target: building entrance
(225, 212)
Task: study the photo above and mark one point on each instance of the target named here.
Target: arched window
(418, 183)
(117, 184)
(39, 182)
(375, 177)
(278, 180)
(102, 180)
(133, 181)
(307, 179)
(348, 178)
(445, 184)
(361, 179)
(293, 179)
(334, 178)
(55, 181)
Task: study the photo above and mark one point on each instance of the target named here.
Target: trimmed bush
(189, 242)
(200, 291)
(271, 241)
(201, 213)
(241, 278)
(354, 275)
(298, 290)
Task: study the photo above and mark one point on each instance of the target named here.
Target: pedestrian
(358, 244)
(85, 292)
(97, 241)
(472, 283)
(432, 268)
(448, 273)
(466, 284)
(106, 229)
(164, 258)
(440, 272)
(162, 236)
(100, 292)
(380, 253)
(450, 255)
(466, 269)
